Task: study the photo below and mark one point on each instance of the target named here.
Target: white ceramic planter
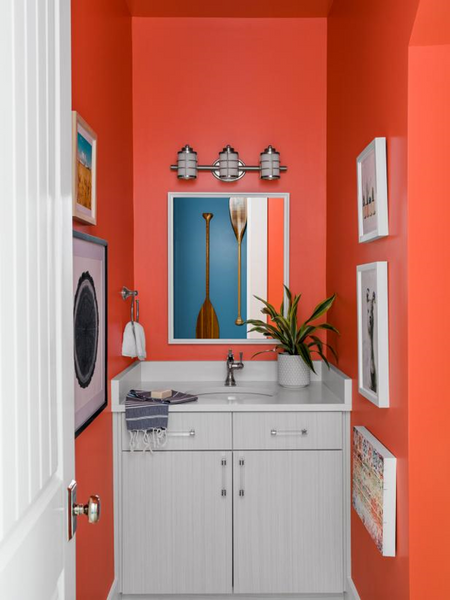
(293, 372)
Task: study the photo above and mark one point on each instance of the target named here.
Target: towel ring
(126, 293)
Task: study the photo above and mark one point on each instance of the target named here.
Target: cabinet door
(288, 523)
(177, 523)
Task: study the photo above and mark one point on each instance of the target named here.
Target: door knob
(91, 509)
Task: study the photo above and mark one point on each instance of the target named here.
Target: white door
(36, 383)
(288, 534)
(177, 522)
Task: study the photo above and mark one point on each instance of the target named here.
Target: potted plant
(296, 342)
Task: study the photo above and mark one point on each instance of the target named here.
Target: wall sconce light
(228, 167)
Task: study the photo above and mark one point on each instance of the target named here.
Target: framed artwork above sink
(224, 249)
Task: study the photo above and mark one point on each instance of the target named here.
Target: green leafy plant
(294, 338)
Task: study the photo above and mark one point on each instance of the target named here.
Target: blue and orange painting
(84, 171)
(189, 246)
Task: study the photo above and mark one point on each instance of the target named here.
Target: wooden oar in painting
(238, 216)
(207, 322)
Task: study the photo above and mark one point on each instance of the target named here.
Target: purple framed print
(90, 289)
(374, 488)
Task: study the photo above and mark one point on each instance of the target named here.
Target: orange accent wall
(429, 290)
(248, 9)
(368, 97)
(101, 93)
(275, 254)
(211, 82)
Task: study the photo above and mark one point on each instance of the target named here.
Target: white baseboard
(114, 591)
(232, 596)
(352, 592)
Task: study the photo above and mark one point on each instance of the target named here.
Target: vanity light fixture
(228, 167)
(187, 163)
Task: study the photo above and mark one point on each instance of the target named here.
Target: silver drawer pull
(223, 462)
(242, 477)
(190, 433)
(288, 432)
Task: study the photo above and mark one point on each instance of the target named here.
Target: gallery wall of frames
(374, 480)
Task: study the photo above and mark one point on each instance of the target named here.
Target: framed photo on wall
(372, 191)
(84, 171)
(224, 250)
(90, 290)
(373, 333)
(374, 488)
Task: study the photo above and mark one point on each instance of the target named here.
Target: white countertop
(330, 390)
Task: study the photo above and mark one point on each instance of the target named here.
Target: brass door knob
(91, 509)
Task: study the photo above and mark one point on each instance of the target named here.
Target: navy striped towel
(149, 417)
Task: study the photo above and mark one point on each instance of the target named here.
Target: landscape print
(84, 171)
(374, 489)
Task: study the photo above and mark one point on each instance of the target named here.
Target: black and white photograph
(373, 341)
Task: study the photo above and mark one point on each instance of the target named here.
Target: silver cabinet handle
(289, 432)
(223, 462)
(190, 433)
(242, 474)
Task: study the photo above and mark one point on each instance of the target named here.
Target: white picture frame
(171, 196)
(373, 332)
(84, 171)
(374, 489)
(373, 222)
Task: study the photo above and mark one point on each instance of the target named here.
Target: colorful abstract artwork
(374, 489)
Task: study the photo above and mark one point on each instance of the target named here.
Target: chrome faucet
(231, 366)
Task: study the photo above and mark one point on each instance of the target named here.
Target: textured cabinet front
(190, 431)
(177, 523)
(288, 511)
(287, 431)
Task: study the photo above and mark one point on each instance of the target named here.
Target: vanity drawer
(287, 431)
(191, 431)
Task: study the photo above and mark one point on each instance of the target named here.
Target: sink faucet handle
(230, 354)
(241, 357)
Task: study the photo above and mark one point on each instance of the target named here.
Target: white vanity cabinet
(244, 503)
(176, 509)
(249, 498)
(177, 522)
(288, 522)
(288, 503)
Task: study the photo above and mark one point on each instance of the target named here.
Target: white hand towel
(140, 341)
(129, 347)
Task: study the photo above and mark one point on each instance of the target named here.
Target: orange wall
(209, 82)
(101, 93)
(429, 290)
(368, 97)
